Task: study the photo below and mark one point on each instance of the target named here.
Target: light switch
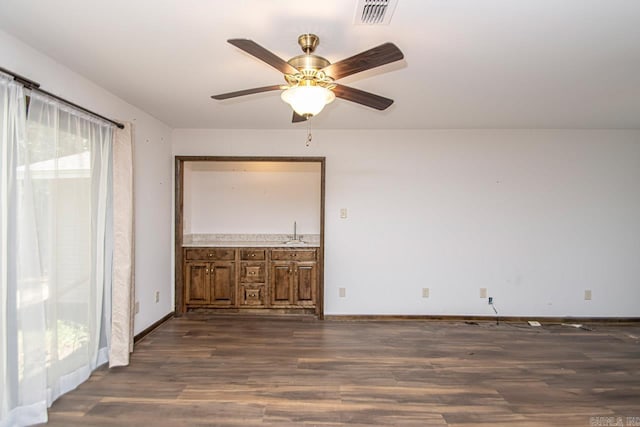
(343, 213)
(483, 292)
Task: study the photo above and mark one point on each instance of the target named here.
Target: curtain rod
(30, 84)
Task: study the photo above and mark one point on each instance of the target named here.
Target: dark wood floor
(229, 371)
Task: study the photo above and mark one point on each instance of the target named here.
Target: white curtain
(69, 170)
(55, 252)
(123, 249)
(22, 323)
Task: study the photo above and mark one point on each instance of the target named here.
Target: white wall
(537, 217)
(152, 170)
(251, 197)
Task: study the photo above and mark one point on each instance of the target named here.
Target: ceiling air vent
(375, 12)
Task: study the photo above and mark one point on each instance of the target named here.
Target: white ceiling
(468, 63)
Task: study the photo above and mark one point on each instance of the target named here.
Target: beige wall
(251, 197)
(536, 217)
(152, 170)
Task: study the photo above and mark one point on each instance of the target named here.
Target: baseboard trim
(378, 317)
(151, 328)
(250, 311)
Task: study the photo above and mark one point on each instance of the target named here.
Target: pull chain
(309, 136)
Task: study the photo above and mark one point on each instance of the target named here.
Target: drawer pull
(210, 255)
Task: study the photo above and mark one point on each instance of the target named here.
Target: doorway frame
(179, 218)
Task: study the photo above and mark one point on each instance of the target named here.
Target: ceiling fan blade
(297, 118)
(361, 97)
(246, 92)
(253, 48)
(372, 58)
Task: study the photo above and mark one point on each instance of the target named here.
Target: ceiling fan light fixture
(308, 100)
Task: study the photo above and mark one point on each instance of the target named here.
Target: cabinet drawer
(252, 254)
(293, 255)
(252, 272)
(214, 254)
(252, 295)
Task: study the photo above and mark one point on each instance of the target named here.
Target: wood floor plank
(257, 371)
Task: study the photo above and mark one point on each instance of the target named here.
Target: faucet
(295, 238)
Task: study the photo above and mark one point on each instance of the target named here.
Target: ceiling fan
(311, 78)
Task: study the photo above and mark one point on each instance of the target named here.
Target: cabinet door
(223, 283)
(280, 284)
(305, 283)
(197, 283)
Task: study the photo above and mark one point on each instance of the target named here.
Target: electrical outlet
(137, 307)
(483, 292)
(490, 300)
(425, 292)
(157, 296)
(587, 295)
(342, 292)
(343, 213)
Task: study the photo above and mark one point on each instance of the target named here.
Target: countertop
(249, 240)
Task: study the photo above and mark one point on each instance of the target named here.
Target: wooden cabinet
(294, 282)
(293, 254)
(196, 283)
(253, 268)
(305, 284)
(209, 282)
(253, 254)
(279, 278)
(281, 284)
(210, 254)
(223, 283)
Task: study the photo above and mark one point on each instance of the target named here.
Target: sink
(295, 242)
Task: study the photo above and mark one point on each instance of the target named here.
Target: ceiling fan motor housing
(309, 65)
(308, 43)
(308, 62)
